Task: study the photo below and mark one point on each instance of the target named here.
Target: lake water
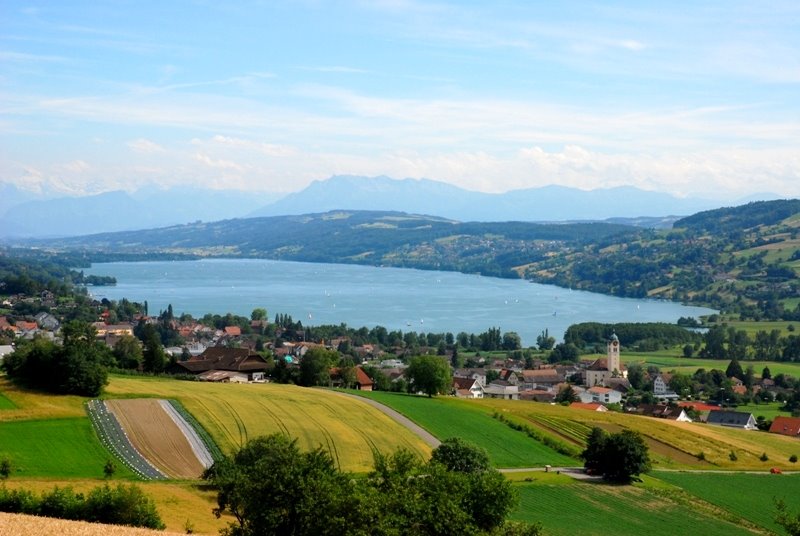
(396, 298)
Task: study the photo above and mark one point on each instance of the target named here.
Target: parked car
(776, 471)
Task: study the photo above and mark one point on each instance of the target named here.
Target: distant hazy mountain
(120, 211)
(11, 196)
(423, 196)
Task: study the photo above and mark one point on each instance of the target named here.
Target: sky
(690, 98)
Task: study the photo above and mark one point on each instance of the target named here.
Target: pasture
(671, 361)
(5, 403)
(347, 428)
(56, 448)
(30, 405)
(570, 507)
(449, 417)
(749, 495)
(768, 410)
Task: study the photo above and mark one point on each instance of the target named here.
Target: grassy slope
(669, 360)
(448, 417)
(753, 498)
(232, 414)
(571, 507)
(62, 448)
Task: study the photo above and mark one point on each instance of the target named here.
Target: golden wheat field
(24, 525)
(350, 430)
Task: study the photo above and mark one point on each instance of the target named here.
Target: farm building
(467, 388)
(789, 426)
(734, 419)
(362, 381)
(246, 363)
(592, 406)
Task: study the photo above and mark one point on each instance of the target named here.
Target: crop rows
(116, 440)
(566, 427)
(202, 433)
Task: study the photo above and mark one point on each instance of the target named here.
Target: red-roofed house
(789, 426)
(233, 331)
(363, 381)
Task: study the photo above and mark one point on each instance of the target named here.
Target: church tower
(612, 358)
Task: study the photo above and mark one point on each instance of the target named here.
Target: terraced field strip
(349, 429)
(157, 435)
(116, 440)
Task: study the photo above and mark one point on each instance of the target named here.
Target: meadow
(670, 360)
(57, 448)
(6, 403)
(567, 507)
(347, 428)
(753, 495)
(448, 417)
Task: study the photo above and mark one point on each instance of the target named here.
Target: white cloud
(144, 146)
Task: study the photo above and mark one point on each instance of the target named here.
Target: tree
(462, 456)
(545, 341)
(153, 358)
(734, 369)
(636, 375)
(511, 341)
(109, 469)
(128, 352)
(766, 374)
(315, 366)
(271, 487)
(619, 457)
(429, 374)
(5, 468)
(566, 395)
(258, 313)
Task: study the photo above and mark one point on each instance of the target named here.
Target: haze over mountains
(22, 215)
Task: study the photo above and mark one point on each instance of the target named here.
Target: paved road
(423, 434)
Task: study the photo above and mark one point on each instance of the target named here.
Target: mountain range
(23, 215)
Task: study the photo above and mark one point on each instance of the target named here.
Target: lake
(396, 298)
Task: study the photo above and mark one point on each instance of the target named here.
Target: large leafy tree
(619, 457)
(429, 374)
(315, 366)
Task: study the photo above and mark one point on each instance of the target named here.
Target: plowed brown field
(156, 436)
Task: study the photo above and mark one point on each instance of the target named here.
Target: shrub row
(123, 505)
(533, 433)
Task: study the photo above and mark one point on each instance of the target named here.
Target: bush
(764, 457)
(733, 456)
(793, 458)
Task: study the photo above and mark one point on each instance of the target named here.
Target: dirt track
(155, 434)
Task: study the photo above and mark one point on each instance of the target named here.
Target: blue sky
(690, 98)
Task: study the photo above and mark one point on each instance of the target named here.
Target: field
(447, 417)
(59, 448)
(768, 411)
(29, 405)
(571, 507)
(670, 360)
(23, 525)
(156, 436)
(754, 496)
(349, 429)
(5, 403)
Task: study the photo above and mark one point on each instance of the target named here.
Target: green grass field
(768, 411)
(448, 417)
(669, 360)
(6, 403)
(56, 448)
(349, 429)
(748, 495)
(567, 508)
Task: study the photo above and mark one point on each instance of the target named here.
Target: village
(252, 350)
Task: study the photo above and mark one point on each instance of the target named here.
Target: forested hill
(743, 259)
(363, 237)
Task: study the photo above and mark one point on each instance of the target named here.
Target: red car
(776, 471)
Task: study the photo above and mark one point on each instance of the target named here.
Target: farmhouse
(789, 426)
(249, 365)
(603, 395)
(362, 381)
(467, 388)
(663, 411)
(592, 406)
(734, 419)
(506, 392)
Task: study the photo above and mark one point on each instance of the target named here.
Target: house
(475, 373)
(47, 321)
(603, 395)
(734, 419)
(661, 388)
(789, 426)
(119, 330)
(592, 406)
(233, 331)
(220, 358)
(362, 382)
(223, 376)
(602, 370)
(506, 392)
(544, 378)
(467, 388)
(537, 395)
